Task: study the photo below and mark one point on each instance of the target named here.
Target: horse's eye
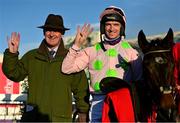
(160, 60)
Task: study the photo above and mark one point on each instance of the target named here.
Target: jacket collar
(43, 50)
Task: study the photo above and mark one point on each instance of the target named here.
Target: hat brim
(53, 27)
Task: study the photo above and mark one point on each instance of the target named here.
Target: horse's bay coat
(161, 70)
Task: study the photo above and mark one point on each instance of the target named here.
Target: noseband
(166, 89)
(157, 51)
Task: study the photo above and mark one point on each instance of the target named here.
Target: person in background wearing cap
(112, 57)
(50, 91)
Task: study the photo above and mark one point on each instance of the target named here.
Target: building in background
(12, 97)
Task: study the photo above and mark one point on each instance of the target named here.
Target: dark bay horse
(161, 85)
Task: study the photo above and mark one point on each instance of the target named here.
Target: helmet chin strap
(105, 40)
(110, 41)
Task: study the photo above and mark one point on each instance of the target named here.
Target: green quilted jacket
(49, 89)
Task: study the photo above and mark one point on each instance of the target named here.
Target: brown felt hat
(54, 22)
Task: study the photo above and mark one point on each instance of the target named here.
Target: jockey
(113, 56)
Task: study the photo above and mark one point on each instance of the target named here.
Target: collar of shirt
(55, 49)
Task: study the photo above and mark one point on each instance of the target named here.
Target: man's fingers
(90, 31)
(14, 40)
(17, 36)
(83, 27)
(86, 30)
(8, 41)
(78, 29)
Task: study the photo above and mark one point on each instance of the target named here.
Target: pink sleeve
(76, 60)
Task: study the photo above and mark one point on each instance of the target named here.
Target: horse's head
(158, 68)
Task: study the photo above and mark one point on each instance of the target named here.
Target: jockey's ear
(142, 41)
(169, 38)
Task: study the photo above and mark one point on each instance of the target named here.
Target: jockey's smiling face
(112, 29)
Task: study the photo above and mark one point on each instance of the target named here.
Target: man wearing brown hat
(50, 91)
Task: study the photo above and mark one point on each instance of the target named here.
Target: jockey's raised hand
(82, 34)
(13, 42)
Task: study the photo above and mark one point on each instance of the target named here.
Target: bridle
(157, 51)
(163, 89)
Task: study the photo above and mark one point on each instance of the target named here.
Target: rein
(157, 51)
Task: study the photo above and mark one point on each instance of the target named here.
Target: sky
(24, 16)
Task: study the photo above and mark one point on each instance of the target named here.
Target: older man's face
(53, 38)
